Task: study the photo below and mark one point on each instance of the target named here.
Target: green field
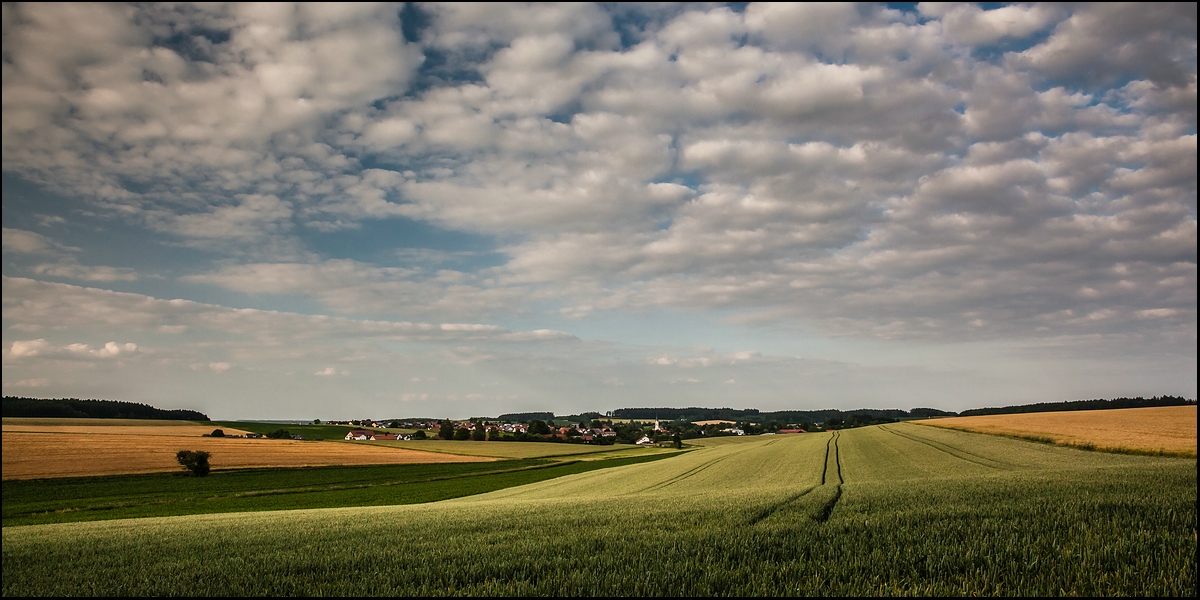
(891, 510)
(309, 432)
(63, 500)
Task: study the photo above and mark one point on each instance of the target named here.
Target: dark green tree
(447, 430)
(195, 461)
(677, 441)
(478, 434)
(538, 428)
(280, 434)
(462, 434)
(419, 435)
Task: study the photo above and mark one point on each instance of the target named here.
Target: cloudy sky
(344, 211)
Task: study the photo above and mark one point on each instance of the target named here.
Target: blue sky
(450, 210)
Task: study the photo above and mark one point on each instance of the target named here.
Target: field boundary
(1091, 447)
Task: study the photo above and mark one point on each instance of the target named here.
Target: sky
(346, 211)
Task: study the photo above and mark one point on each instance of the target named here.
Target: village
(598, 431)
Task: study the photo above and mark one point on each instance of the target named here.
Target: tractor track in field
(770, 510)
(680, 477)
(831, 445)
(952, 451)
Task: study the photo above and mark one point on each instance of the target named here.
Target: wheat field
(69, 454)
(1168, 430)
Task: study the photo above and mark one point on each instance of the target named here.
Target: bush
(462, 434)
(195, 461)
(280, 434)
(419, 435)
(217, 433)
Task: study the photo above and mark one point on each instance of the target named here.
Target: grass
(894, 510)
(161, 494)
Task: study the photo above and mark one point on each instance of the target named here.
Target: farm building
(360, 434)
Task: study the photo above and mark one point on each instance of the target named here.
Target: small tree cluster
(195, 461)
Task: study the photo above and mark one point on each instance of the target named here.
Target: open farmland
(892, 510)
(1167, 430)
(34, 450)
(113, 426)
(70, 499)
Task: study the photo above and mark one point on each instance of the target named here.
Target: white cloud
(22, 349)
(852, 170)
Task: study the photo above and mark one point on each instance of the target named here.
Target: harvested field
(42, 455)
(1168, 430)
(114, 427)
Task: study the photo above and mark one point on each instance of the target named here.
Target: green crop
(169, 494)
(893, 510)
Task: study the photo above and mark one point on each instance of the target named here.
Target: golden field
(114, 427)
(34, 448)
(1169, 430)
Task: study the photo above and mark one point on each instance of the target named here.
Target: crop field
(889, 510)
(1166, 430)
(309, 432)
(68, 500)
(41, 455)
(111, 426)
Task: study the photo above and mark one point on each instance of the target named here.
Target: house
(360, 435)
(792, 431)
(385, 436)
(644, 441)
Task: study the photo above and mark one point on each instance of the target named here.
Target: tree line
(15, 406)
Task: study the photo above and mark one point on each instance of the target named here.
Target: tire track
(825, 465)
(770, 510)
(827, 509)
(955, 452)
(684, 475)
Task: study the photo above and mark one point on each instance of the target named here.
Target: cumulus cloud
(61, 306)
(957, 173)
(22, 349)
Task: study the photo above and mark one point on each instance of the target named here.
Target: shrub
(195, 461)
(419, 435)
(280, 434)
(462, 434)
(217, 433)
